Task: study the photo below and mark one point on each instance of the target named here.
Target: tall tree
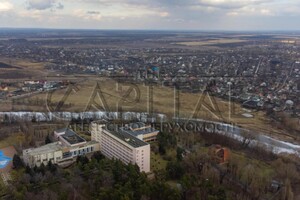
(17, 162)
(175, 170)
(48, 140)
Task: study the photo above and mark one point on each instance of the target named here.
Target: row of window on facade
(117, 153)
(46, 160)
(112, 155)
(82, 151)
(108, 138)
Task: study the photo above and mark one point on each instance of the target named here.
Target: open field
(113, 96)
(291, 41)
(211, 42)
(12, 140)
(113, 93)
(157, 162)
(21, 68)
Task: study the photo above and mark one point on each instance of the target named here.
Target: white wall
(142, 158)
(111, 146)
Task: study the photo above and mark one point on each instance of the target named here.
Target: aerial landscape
(123, 100)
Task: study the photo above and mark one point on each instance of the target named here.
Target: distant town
(262, 74)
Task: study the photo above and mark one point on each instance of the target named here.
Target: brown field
(211, 42)
(287, 37)
(27, 69)
(289, 41)
(163, 102)
(12, 140)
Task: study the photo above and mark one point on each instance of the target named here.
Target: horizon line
(145, 29)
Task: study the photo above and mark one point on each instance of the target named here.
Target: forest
(186, 175)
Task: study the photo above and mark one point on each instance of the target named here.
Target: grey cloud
(229, 4)
(60, 6)
(43, 4)
(188, 10)
(232, 4)
(93, 12)
(181, 18)
(40, 4)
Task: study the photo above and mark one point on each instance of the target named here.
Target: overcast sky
(152, 14)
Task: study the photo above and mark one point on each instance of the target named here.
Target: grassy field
(12, 140)
(263, 167)
(163, 102)
(238, 156)
(26, 69)
(211, 42)
(113, 95)
(157, 162)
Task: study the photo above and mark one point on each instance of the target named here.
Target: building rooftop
(52, 147)
(92, 142)
(128, 138)
(70, 136)
(138, 128)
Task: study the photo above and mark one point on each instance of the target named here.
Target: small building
(49, 152)
(3, 88)
(219, 154)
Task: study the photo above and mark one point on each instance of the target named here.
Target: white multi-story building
(68, 146)
(128, 144)
(122, 145)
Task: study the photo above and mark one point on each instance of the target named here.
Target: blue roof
(4, 160)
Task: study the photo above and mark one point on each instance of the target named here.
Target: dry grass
(163, 102)
(12, 140)
(157, 162)
(289, 41)
(27, 69)
(211, 42)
